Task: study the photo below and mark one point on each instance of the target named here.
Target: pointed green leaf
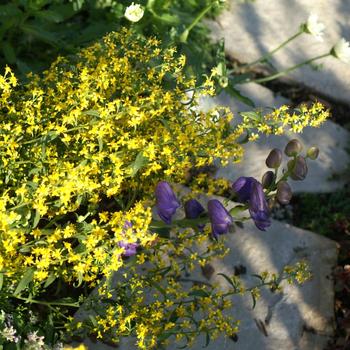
(236, 94)
(1, 280)
(24, 282)
(49, 280)
(139, 163)
(36, 219)
(199, 293)
(229, 280)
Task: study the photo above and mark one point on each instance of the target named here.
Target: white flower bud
(314, 27)
(341, 50)
(134, 12)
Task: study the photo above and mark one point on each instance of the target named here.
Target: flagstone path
(252, 28)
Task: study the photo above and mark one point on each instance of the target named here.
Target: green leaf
(9, 10)
(164, 336)
(236, 94)
(254, 300)
(36, 218)
(237, 210)
(199, 293)
(41, 34)
(9, 52)
(24, 282)
(80, 278)
(138, 164)
(93, 320)
(237, 79)
(1, 280)
(100, 144)
(50, 16)
(229, 280)
(158, 287)
(50, 280)
(92, 113)
(251, 115)
(207, 340)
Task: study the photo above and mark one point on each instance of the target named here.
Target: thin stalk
(33, 301)
(286, 71)
(270, 53)
(184, 35)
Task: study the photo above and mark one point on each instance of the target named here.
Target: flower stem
(186, 32)
(270, 53)
(286, 71)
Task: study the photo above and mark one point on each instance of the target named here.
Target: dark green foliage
(327, 214)
(34, 32)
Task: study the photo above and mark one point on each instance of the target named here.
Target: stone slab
(332, 140)
(299, 318)
(252, 28)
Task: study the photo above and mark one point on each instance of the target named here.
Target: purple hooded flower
(258, 208)
(129, 248)
(193, 209)
(243, 188)
(250, 191)
(167, 203)
(220, 218)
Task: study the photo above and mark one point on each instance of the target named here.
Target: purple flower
(258, 208)
(167, 203)
(243, 188)
(220, 218)
(250, 191)
(193, 209)
(129, 248)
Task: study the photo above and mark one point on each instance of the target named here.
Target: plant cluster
(83, 146)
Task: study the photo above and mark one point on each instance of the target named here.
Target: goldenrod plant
(87, 148)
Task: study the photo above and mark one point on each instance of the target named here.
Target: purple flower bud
(284, 192)
(220, 218)
(268, 179)
(167, 203)
(258, 207)
(193, 209)
(300, 169)
(243, 188)
(293, 148)
(274, 159)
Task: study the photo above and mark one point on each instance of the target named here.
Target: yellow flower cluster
(276, 122)
(166, 304)
(100, 129)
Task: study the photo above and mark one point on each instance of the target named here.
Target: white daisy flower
(134, 12)
(341, 50)
(314, 27)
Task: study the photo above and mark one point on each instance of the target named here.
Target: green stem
(33, 301)
(270, 53)
(284, 72)
(185, 33)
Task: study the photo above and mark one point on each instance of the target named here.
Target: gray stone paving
(253, 28)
